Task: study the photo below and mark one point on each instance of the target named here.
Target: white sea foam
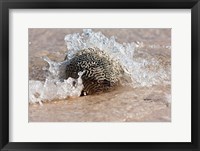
(54, 89)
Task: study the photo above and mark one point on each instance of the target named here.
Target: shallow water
(140, 103)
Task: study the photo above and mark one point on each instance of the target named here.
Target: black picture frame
(5, 5)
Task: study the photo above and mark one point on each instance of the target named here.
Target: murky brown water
(124, 104)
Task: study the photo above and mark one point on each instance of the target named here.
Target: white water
(138, 71)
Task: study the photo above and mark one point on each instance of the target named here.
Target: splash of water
(141, 71)
(54, 87)
(140, 68)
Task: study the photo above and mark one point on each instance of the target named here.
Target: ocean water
(146, 83)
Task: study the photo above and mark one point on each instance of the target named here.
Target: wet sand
(125, 104)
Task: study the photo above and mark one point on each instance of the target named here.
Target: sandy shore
(125, 104)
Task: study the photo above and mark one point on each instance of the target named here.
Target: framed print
(113, 75)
